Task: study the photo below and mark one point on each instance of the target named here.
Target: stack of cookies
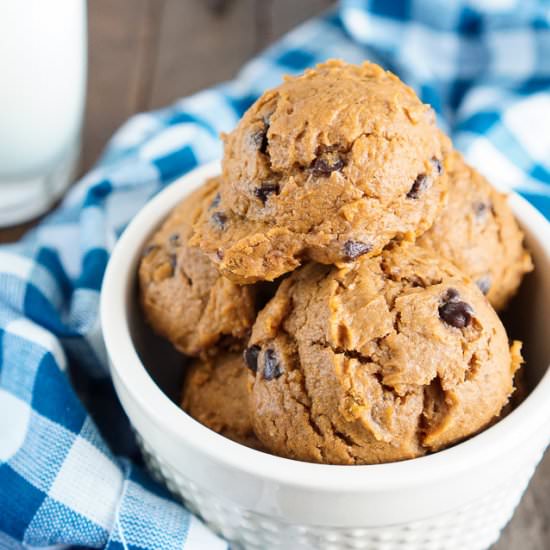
(338, 283)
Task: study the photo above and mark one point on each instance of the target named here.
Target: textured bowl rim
(530, 418)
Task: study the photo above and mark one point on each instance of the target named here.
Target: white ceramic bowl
(459, 498)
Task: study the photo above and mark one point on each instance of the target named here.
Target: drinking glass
(43, 51)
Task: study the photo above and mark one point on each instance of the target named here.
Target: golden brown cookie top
(183, 296)
(385, 359)
(327, 109)
(329, 166)
(477, 231)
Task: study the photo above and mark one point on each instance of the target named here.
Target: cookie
(329, 166)
(386, 359)
(477, 231)
(215, 394)
(183, 296)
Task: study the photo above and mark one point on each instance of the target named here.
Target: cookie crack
(345, 439)
(405, 281)
(184, 274)
(350, 353)
(306, 407)
(342, 149)
(439, 404)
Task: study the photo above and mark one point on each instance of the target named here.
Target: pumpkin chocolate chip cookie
(329, 166)
(477, 231)
(184, 298)
(385, 359)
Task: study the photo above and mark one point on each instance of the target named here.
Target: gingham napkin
(69, 471)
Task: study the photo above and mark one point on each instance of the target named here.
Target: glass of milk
(43, 51)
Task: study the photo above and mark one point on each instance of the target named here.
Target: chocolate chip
(423, 181)
(266, 189)
(272, 367)
(453, 311)
(219, 254)
(174, 239)
(451, 295)
(215, 201)
(219, 219)
(321, 168)
(259, 140)
(437, 166)
(456, 314)
(251, 357)
(259, 137)
(484, 284)
(480, 209)
(149, 248)
(354, 249)
(327, 162)
(419, 185)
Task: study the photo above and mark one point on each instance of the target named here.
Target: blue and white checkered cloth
(69, 470)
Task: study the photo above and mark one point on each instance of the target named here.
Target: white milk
(42, 89)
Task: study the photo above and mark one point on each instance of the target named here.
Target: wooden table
(144, 54)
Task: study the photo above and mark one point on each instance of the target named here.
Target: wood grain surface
(144, 54)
